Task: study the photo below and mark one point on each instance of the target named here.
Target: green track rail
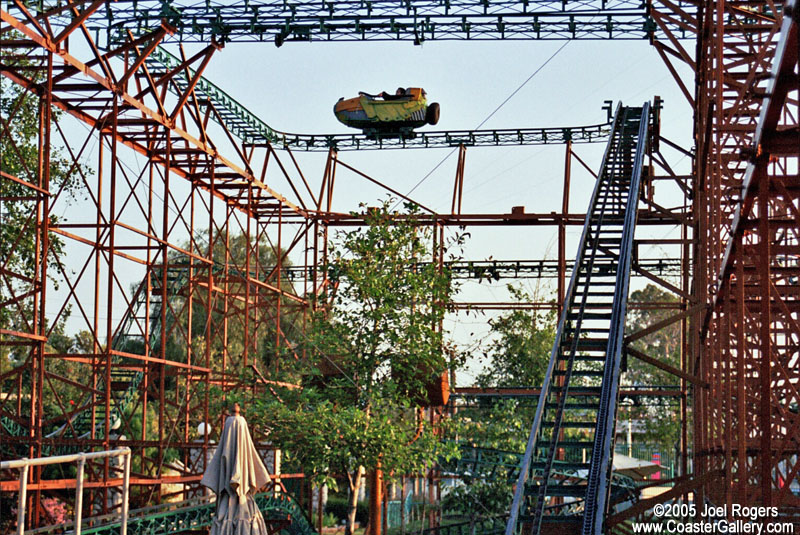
(506, 269)
(280, 507)
(190, 515)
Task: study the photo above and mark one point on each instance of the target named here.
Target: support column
(375, 494)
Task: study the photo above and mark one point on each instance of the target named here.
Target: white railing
(24, 464)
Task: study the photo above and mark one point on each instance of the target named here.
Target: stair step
(580, 390)
(587, 329)
(580, 373)
(597, 274)
(586, 406)
(574, 491)
(606, 229)
(587, 345)
(573, 425)
(121, 372)
(573, 444)
(562, 465)
(591, 316)
(586, 358)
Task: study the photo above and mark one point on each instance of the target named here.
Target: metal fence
(80, 458)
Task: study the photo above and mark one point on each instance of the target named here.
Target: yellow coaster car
(386, 115)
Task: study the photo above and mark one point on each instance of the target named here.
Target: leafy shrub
(337, 505)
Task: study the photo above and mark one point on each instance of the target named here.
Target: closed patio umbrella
(634, 468)
(235, 473)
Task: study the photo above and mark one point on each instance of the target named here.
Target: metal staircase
(125, 380)
(577, 405)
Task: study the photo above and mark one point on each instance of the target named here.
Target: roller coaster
(737, 271)
(588, 319)
(256, 133)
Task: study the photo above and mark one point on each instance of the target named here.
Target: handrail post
(23, 465)
(79, 494)
(21, 503)
(126, 479)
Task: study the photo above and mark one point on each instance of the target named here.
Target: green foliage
(661, 424)
(150, 465)
(326, 439)
(329, 520)
(503, 425)
(372, 351)
(380, 326)
(520, 348)
(337, 506)
(517, 356)
(478, 498)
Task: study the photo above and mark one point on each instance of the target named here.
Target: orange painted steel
(166, 203)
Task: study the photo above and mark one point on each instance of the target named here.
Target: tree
(660, 425)
(517, 356)
(372, 352)
(521, 343)
(478, 498)
(20, 115)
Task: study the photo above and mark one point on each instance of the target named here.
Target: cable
(509, 97)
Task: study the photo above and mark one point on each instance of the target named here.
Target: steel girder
(746, 206)
(416, 20)
(113, 92)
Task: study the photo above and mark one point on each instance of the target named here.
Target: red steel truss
(169, 205)
(165, 204)
(747, 423)
(745, 330)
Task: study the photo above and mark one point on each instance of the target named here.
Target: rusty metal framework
(747, 426)
(166, 204)
(207, 221)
